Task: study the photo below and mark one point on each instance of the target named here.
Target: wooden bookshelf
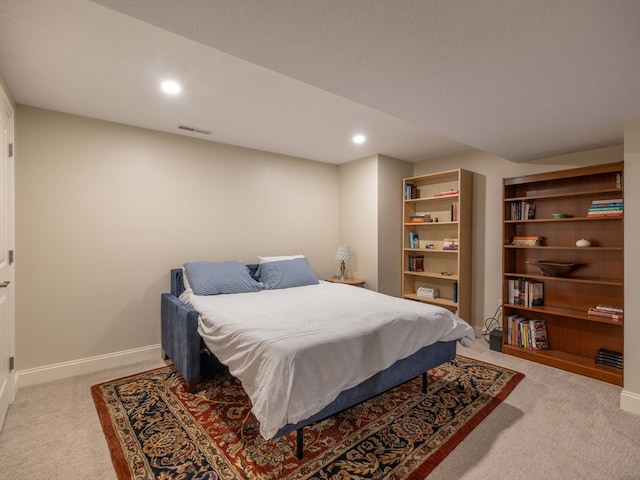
(597, 278)
(444, 199)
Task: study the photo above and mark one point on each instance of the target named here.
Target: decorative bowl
(555, 269)
(559, 215)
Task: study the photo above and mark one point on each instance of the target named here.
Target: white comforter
(294, 350)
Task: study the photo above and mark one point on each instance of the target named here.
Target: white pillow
(279, 259)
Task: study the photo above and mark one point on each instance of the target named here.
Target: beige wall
(391, 172)
(630, 398)
(370, 219)
(359, 218)
(105, 210)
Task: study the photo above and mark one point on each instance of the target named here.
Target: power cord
(492, 323)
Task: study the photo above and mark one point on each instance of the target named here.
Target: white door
(7, 376)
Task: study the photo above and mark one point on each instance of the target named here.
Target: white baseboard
(58, 371)
(630, 402)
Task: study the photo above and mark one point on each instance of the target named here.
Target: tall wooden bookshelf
(563, 213)
(437, 209)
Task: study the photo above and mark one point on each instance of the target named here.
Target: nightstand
(356, 282)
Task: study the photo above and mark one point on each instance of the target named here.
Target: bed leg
(191, 386)
(299, 443)
(424, 382)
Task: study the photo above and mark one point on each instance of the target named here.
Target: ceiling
(521, 79)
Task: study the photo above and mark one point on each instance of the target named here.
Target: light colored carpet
(554, 425)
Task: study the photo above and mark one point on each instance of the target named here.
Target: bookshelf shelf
(443, 302)
(431, 224)
(565, 312)
(567, 361)
(433, 275)
(569, 219)
(543, 278)
(596, 278)
(447, 223)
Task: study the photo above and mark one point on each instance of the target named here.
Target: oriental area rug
(155, 429)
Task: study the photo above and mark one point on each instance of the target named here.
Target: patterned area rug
(157, 430)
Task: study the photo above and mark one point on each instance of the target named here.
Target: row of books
(612, 312)
(523, 241)
(522, 210)
(525, 333)
(416, 263)
(525, 292)
(605, 208)
(410, 191)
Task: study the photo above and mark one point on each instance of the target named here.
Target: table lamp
(343, 254)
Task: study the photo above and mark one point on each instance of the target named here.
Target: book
(416, 263)
(523, 328)
(526, 241)
(525, 292)
(522, 210)
(447, 193)
(599, 313)
(428, 292)
(610, 207)
(410, 191)
(414, 240)
(536, 294)
(538, 334)
(609, 308)
(454, 211)
(450, 244)
(600, 202)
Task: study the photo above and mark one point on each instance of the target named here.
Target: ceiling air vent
(194, 129)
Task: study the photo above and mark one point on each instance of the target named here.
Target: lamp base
(343, 268)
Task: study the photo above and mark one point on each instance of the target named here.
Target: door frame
(7, 105)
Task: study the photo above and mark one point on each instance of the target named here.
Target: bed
(303, 349)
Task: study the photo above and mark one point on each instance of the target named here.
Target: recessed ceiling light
(359, 139)
(170, 87)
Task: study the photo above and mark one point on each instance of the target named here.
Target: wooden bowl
(555, 269)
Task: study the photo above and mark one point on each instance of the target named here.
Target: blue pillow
(286, 274)
(213, 278)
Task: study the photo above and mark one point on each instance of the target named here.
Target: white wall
(105, 210)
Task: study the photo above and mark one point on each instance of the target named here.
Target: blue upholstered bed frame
(183, 345)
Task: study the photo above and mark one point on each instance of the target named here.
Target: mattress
(294, 350)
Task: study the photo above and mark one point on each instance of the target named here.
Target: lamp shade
(343, 253)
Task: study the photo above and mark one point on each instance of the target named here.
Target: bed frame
(183, 345)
